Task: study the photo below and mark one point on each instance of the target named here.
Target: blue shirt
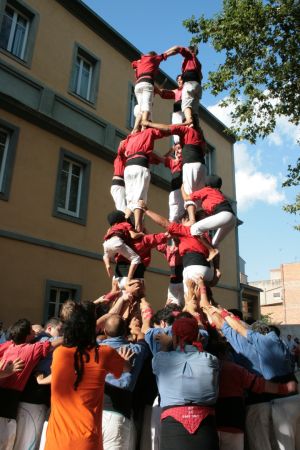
(185, 377)
(154, 345)
(128, 379)
(263, 354)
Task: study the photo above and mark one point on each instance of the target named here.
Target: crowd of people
(113, 373)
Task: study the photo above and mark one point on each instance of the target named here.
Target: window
(8, 142)
(85, 75)
(209, 159)
(72, 187)
(56, 294)
(132, 102)
(18, 29)
(276, 294)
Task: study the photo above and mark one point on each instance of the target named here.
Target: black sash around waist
(9, 402)
(140, 160)
(192, 153)
(191, 75)
(117, 399)
(177, 106)
(176, 273)
(176, 181)
(231, 412)
(147, 77)
(194, 259)
(122, 268)
(117, 182)
(224, 206)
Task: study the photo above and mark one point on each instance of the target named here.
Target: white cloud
(253, 185)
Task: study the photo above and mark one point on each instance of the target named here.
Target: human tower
(196, 203)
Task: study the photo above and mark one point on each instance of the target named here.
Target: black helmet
(116, 217)
(214, 181)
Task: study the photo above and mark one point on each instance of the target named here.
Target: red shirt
(119, 229)
(119, 167)
(147, 65)
(235, 379)
(175, 165)
(190, 61)
(187, 242)
(30, 354)
(171, 253)
(142, 142)
(3, 347)
(169, 94)
(189, 136)
(143, 247)
(210, 198)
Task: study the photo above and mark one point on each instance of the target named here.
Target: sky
(267, 237)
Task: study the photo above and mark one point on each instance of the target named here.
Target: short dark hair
(152, 53)
(194, 49)
(19, 331)
(167, 314)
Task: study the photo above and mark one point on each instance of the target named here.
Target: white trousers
(177, 117)
(8, 429)
(231, 441)
(193, 177)
(137, 180)
(223, 222)
(43, 437)
(191, 95)
(176, 294)
(286, 422)
(144, 93)
(30, 421)
(118, 195)
(176, 205)
(115, 245)
(118, 432)
(194, 272)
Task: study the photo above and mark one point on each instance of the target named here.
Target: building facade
(66, 101)
(280, 294)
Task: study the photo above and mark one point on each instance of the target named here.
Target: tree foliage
(261, 73)
(260, 41)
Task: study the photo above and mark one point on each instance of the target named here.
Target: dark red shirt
(189, 136)
(235, 379)
(210, 198)
(119, 229)
(119, 167)
(142, 142)
(187, 242)
(175, 94)
(147, 65)
(175, 165)
(143, 246)
(190, 61)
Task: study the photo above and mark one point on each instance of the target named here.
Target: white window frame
(3, 165)
(12, 32)
(82, 61)
(68, 190)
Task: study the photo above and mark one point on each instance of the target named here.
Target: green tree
(260, 41)
(293, 179)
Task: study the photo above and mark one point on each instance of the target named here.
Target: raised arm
(160, 220)
(158, 126)
(172, 51)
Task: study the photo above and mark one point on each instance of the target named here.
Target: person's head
(185, 332)
(184, 219)
(213, 181)
(263, 328)
(37, 329)
(179, 81)
(115, 326)
(67, 309)
(166, 316)
(21, 332)
(54, 327)
(289, 337)
(116, 217)
(177, 150)
(152, 53)
(296, 340)
(193, 49)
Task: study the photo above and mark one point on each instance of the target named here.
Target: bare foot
(212, 254)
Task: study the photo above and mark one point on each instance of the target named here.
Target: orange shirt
(76, 416)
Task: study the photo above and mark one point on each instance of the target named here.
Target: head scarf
(186, 329)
